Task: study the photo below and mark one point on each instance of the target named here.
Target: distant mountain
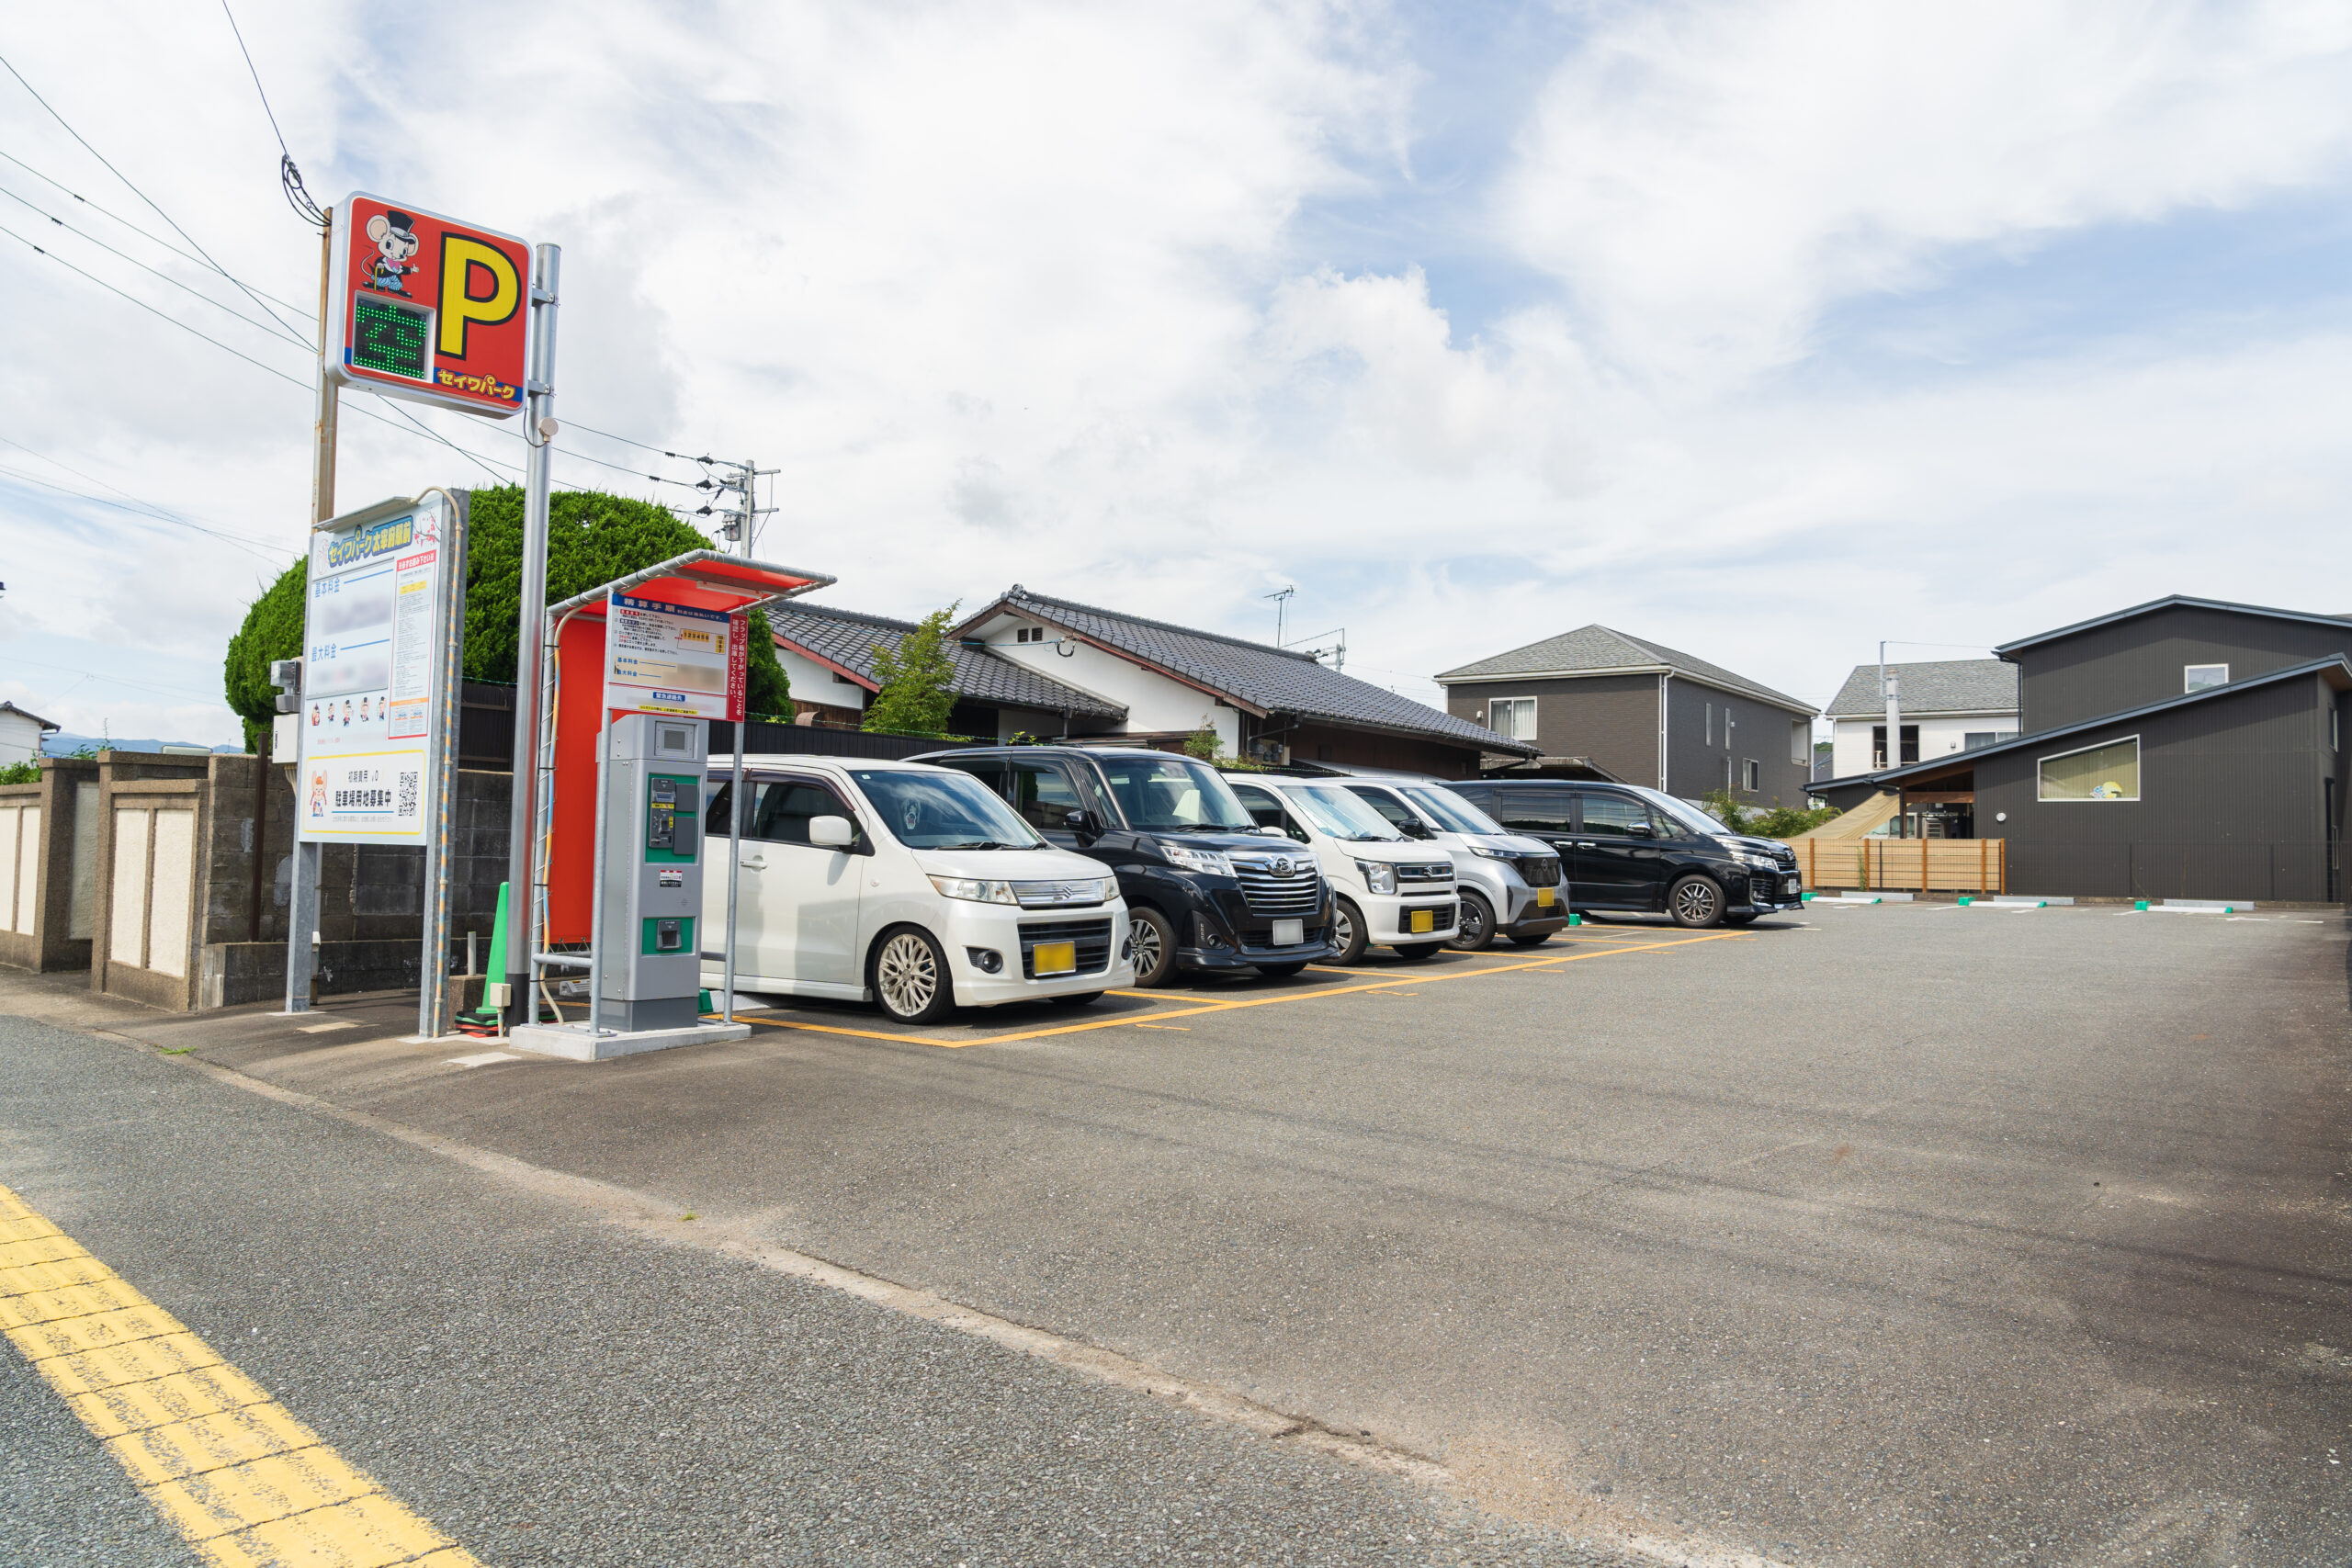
(59, 743)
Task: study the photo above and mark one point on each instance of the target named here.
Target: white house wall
(815, 682)
(1153, 703)
(20, 738)
(1851, 750)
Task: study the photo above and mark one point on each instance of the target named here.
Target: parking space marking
(1601, 951)
(230, 1467)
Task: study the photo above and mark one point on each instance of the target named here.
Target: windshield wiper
(974, 845)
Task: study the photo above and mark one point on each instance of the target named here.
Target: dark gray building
(1635, 711)
(2181, 749)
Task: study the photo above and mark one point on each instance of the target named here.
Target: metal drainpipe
(1664, 709)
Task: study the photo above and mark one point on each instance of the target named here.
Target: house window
(1029, 634)
(1513, 718)
(1800, 741)
(1878, 744)
(2335, 729)
(2197, 677)
(2111, 771)
(1710, 723)
(1751, 776)
(1975, 738)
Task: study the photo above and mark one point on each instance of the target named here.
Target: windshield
(1453, 814)
(942, 811)
(1164, 794)
(1683, 813)
(1332, 809)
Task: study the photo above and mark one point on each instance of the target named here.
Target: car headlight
(1378, 875)
(1210, 861)
(1489, 854)
(1762, 862)
(975, 890)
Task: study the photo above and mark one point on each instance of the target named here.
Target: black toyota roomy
(1204, 888)
(1623, 847)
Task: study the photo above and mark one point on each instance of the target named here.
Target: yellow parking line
(1271, 1000)
(230, 1467)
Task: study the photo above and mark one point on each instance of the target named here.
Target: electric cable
(230, 539)
(151, 239)
(119, 175)
(154, 509)
(290, 177)
(272, 326)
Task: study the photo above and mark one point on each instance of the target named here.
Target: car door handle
(1581, 844)
(753, 862)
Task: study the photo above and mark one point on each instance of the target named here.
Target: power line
(289, 178)
(232, 539)
(272, 326)
(118, 218)
(119, 175)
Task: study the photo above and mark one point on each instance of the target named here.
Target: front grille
(1444, 913)
(1769, 887)
(1093, 939)
(1433, 871)
(1538, 871)
(1076, 892)
(1298, 891)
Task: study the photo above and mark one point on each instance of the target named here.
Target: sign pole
(302, 903)
(524, 918)
(433, 985)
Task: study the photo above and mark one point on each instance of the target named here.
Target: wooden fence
(1952, 865)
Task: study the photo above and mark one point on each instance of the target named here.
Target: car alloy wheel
(1349, 937)
(1477, 924)
(907, 977)
(1697, 902)
(1153, 940)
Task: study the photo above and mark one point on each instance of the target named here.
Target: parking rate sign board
(672, 659)
(373, 630)
(425, 307)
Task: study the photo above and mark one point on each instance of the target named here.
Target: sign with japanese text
(425, 307)
(672, 659)
(374, 624)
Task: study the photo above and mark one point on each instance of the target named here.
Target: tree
(916, 681)
(592, 538)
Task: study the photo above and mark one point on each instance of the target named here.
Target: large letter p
(468, 266)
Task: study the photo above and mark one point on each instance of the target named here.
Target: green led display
(391, 337)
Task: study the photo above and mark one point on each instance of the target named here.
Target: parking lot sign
(427, 307)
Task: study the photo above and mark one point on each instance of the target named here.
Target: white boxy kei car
(1392, 891)
(910, 886)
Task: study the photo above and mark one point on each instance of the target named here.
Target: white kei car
(911, 886)
(1391, 891)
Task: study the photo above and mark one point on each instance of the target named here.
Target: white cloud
(1708, 177)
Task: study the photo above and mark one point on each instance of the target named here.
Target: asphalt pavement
(1889, 1234)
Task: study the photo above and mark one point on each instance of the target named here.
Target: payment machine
(653, 865)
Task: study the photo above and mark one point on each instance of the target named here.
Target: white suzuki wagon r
(908, 885)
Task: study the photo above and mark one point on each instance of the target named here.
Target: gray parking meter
(653, 862)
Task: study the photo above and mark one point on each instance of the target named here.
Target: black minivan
(1204, 888)
(1623, 847)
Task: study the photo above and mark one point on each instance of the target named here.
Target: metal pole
(734, 852)
(539, 418)
(596, 899)
(302, 903)
(432, 998)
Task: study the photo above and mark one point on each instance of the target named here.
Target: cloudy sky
(1763, 330)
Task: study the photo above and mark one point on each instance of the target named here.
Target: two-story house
(1642, 712)
(1954, 705)
(2185, 747)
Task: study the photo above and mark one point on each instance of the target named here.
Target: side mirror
(1413, 828)
(832, 833)
(1640, 830)
(1083, 824)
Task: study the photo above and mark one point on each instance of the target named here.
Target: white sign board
(372, 667)
(672, 659)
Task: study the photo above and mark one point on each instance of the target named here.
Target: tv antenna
(1281, 604)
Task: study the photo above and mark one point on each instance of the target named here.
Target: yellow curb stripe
(249, 1485)
(1275, 999)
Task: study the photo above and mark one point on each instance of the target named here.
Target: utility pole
(522, 819)
(1889, 685)
(302, 892)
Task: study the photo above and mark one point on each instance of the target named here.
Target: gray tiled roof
(1598, 647)
(1955, 685)
(1270, 679)
(846, 637)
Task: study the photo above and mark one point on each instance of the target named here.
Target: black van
(1204, 888)
(1623, 847)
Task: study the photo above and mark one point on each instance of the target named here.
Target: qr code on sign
(406, 805)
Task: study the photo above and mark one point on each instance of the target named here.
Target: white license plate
(1055, 958)
(1289, 933)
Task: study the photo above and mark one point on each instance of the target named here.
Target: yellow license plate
(1424, 920)
(1054, 958)
(1543, 897)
